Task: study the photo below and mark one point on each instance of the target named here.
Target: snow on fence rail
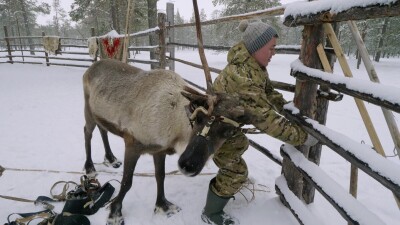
(360, 155)
(317, 12)
(376, 93)
(350, 209)
(296, 206)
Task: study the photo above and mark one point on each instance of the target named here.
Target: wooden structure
(84, 60)
(299, 180)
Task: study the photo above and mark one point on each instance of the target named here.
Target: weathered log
(355, 13)
(342, 88)
(276, 11)
(201, 49)
(305, 99)
(151, 62)
(8, 44)
(66, 64)
(161, 40)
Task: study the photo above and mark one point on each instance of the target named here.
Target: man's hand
(311, 141)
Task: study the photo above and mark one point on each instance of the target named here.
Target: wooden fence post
(161, 36)
(171, 35)
(45, 53)
(92, 31)
(8, 44)
(305, 100)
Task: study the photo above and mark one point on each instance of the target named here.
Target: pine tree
(180, 35)
(227, 33)
(24, 12)
(59, 18)
(105, 15)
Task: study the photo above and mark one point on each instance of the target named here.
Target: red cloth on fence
(111, 47)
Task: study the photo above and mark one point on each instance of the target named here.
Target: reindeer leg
(131, 157)
(109, 158)
(88, 131)
(162, 204)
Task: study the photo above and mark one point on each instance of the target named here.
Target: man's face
(263, 55)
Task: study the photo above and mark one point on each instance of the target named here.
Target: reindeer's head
(214, 118)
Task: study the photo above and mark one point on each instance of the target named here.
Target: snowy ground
(42, 129)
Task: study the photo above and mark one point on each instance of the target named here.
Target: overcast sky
(185, 7)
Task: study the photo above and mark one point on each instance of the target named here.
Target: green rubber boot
(213, 211)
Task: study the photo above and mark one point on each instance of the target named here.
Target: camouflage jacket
(244, 76)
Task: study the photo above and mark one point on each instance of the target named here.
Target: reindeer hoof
(169, 210)
(116, 221)
(91, 175)
(115, 163)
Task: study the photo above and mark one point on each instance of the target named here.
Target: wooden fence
(15, 47)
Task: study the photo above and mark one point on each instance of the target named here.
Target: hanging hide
(51, 45)
(93, 47)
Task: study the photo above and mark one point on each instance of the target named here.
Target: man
(246, 75)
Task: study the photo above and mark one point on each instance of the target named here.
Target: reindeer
(158, 113)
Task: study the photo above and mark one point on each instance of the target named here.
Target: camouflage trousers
(232, 171)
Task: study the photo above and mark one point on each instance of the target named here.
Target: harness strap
(229, 121)
(27, 217)
(207, 127)
(63, 195)
(42, 215)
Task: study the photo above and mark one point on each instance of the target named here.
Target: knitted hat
(256, 34)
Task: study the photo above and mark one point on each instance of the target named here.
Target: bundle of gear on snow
(86, 199)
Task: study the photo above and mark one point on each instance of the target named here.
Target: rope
(387, 156)
(45, 205)
(16, 198)
(250, 186)
(394, 153)
(171, 173)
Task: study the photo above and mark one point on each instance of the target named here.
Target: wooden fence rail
(362, 156)
(350, 209)
(345, 87)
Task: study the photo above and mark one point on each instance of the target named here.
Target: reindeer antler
(201, 49)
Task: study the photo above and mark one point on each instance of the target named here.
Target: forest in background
(381, 36)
